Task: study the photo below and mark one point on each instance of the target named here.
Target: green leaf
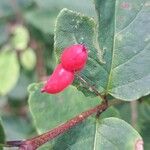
(28, 59)
(5, 8)
(45, 17)
(144, 111)
(20, 38)
(9, 73)
(49, 111)
(16, 127)
(110, 112)
(123, 109)
(19, 92)
(106, 134)
(85, 7)
(57, 109)
(3, 33)
(125, 73)
(49, 10)
(126, 45)
(3, 103)
(2, 135)
(9, 8)
(144, 121)
(145, 134)
(146, 99)
(74, 28)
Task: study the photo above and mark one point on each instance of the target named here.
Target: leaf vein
(130, 82)
(137, 54)
(128, 25)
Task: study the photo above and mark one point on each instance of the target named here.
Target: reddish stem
(34, 143)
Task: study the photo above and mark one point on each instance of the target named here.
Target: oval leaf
(9, 73)
(2, 136)
(105, 134)
(20, 37)
(28, 59)
(57, 109)
(127, 46)
(121, 38)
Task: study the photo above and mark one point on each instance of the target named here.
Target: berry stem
(92, 87)
(35, 142)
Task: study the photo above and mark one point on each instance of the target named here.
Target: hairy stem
(34, 143)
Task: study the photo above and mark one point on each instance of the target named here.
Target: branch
(90, 86)
(34, 143)
(134, 113)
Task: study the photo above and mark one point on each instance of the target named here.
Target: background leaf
(20, 42)
(28, 59)
(3, 32)
(9, 8)
(2, 136)
(145, 134)
(16, 128)
(46, 17)
(142, 120)
(85, 6)
(49, 111)
(19, 92)
(110, 112)
(9, 71)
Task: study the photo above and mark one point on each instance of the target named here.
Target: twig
(134, 113)
(34, 143)
(90, 86)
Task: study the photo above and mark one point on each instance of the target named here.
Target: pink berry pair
(73, 59)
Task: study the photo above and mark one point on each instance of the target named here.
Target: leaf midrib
(109, 76)
(95, 135)
(115, 35)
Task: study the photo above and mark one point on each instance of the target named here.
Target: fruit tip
(84, 48)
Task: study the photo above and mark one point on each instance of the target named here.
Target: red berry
(58, 81)
(74, 57)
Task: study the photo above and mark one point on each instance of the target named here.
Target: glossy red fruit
(58, 81)
(74, 57)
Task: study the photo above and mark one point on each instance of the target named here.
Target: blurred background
(26, 56)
